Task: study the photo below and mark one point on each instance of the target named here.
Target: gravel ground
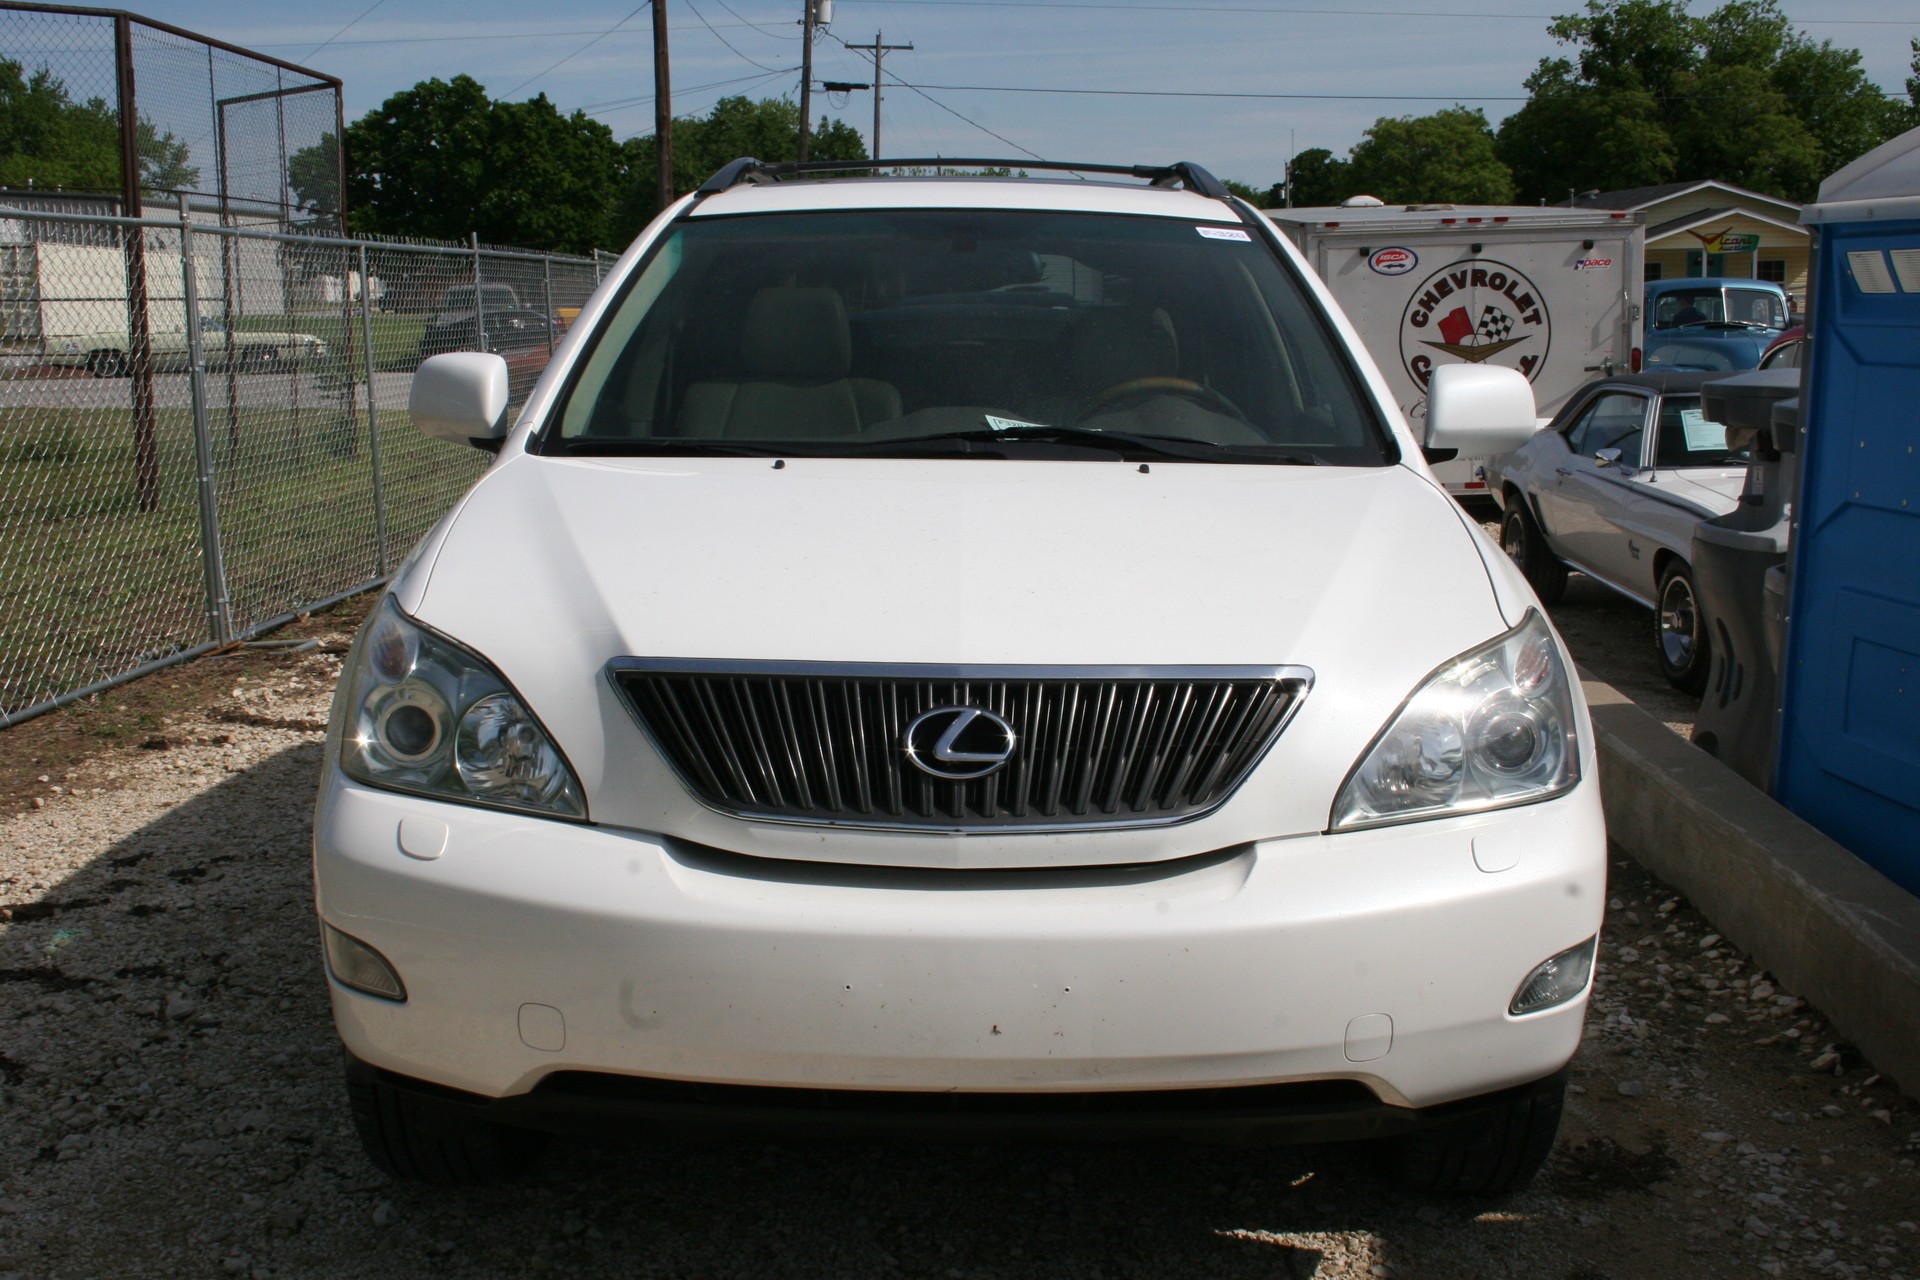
(169, 1082)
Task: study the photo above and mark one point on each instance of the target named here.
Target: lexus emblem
(957, 744)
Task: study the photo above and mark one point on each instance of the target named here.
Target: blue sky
(1348, 61)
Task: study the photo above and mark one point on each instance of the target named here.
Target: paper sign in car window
(1703, 434)
(1225, 233)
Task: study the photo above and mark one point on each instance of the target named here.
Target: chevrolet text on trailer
(967, 654)
(1551, 292)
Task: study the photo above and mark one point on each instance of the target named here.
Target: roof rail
(1184, 172)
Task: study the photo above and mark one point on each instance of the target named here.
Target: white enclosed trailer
(1554, 293)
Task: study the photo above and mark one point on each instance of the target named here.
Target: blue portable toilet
(1849, 752)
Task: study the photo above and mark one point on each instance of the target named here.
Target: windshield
(1716, 305)
(999, 333)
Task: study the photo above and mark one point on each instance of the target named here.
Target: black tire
(1521, 539)
(107, 364)
(1487, 1152)
(1679, 631)
(409, 1138)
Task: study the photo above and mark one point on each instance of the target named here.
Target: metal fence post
(373, 422)
(213, 562)
(479, 303)
(546, 268)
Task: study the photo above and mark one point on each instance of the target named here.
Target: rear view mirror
(461, 397)
(1479, 409)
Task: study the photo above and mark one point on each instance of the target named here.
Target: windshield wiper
(1125, 444)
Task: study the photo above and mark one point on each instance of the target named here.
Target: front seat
(795, 349)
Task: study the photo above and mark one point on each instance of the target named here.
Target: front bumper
(531, 948)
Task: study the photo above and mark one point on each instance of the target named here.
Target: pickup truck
(1711, 324)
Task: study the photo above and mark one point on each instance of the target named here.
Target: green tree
(49, 140)
(1908, 116)
(313, 174)
(1255, 196)
(163, 161)
(1444, 157)
(441, 160)
(1655, 94)
(1317, 177)
(768, 129)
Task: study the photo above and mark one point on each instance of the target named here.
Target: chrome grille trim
(820, 743)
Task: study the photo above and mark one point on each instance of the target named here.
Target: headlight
(424, 714)
(1491, 729)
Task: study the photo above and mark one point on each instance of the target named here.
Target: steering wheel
(1204, 395)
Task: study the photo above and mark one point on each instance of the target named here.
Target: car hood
(554, 567)
(1709, 350)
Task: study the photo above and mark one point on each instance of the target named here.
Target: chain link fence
(246, 454)
(138, 110)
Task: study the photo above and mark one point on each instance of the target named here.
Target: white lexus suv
(961, 653)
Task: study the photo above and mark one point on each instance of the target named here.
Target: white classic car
(1613, 487)
(106, 355)
(945, 653)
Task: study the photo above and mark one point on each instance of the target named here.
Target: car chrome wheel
(1679, 622)
(1679, 632)
(1513, 541)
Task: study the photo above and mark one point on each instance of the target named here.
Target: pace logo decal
(1592, 264)
(1477, 310)
(1393, 260)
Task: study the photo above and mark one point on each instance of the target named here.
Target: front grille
(1092, 746)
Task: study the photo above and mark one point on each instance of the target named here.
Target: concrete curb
(1828, 926)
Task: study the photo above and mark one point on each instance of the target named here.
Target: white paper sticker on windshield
(1009, 424)
(1703, 435)
(1225, 233)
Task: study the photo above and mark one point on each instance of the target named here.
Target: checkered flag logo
(1495, 324)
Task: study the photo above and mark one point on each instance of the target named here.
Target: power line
(577, 52)
(767, 31)
(1327, 13)
(1316, 97)
(626, 104)
(342, 31)
(504, 35)
(950, 111)
(722, 39)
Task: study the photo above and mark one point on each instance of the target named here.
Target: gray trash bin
(1739, 572)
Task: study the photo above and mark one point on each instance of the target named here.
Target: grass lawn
(396, 338)
(91, 586)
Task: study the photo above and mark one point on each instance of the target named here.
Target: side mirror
(1479, 409)
(1606, 457)
(461, 397)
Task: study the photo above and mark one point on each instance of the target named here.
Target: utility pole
(879, 51)
(806, 75)
(662, 105)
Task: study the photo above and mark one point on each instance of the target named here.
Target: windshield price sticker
(1702, 433)
(1225, 233)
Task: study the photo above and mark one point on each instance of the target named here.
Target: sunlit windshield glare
(858, 332)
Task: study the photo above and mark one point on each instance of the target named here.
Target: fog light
(1557, 981)
(355, 964)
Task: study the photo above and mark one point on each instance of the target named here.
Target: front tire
(409, 1138)
(1486, 1152)
(1679, 631)
(1524, 544)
